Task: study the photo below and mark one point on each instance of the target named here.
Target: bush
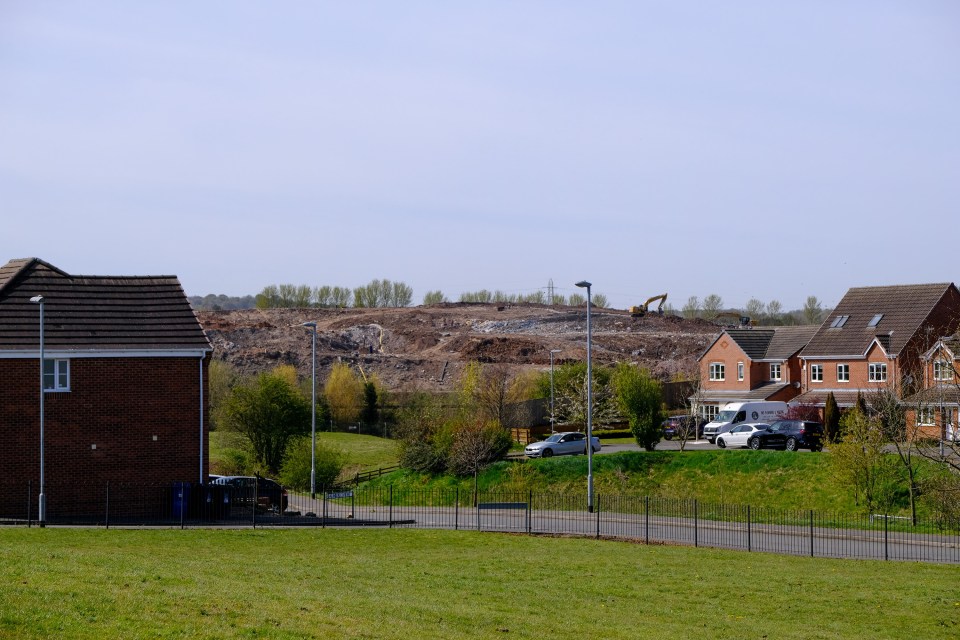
(295, 471)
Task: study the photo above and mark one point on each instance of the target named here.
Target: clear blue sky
(749, 149)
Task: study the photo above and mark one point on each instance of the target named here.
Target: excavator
(641, 310)
(733, 319)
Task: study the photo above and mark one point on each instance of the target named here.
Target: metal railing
(650, 519)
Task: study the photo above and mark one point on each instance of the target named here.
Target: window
(925, 416)
(839, 321)
(875, 320)
(775, 372)
(56, 375)
(878, 372)
(740, 371)
(717, 371)
(942, 370)
(709, 411)
(816, 373)
(843, 373)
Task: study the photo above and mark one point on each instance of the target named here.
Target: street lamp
(552, 351)
(313, 411)
(587, 285)
(42, 509)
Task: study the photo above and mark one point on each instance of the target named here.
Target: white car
(740, 434)
(567, 443)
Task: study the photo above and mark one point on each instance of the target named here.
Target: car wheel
(721, 443)
(596, 449)
(816, 447)
(791, 444)
(755, 443)
(666, 437)
(547, 453)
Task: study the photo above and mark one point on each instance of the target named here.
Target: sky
(769, 150)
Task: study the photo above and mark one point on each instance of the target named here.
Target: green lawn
(329, 583)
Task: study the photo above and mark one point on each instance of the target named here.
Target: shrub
(295, 470)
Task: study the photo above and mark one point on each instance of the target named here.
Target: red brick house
(125, 383)
(876, 338)
(751, 364)
(933, 411)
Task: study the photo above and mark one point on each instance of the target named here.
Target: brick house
(876, 338)
(751, 364)
(125, 383)
(933, 411)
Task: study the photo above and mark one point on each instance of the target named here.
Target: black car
(270, 496)
(790, 435)
(677, 426)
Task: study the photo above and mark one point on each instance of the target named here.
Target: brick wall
(130, 420)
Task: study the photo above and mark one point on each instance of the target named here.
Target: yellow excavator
(641, 310)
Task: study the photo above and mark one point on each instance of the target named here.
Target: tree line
(770, 313)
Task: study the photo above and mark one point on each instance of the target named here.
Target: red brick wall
(726, 351)
(117, 404)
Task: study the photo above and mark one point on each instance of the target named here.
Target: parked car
(558, 444)
(740, 435)
(734, 413)
(790, 435)
(676, 426)
(270, 496)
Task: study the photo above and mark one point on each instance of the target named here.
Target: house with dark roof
(751, 364)
(932, 412)
(876, 338)
(124, 383)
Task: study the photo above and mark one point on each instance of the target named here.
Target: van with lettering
(734, 413)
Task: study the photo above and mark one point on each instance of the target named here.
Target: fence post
(183, 505)
(391, 507)
(749, 539)
(323, 507)
(529, 510)
(598, 516)
(29, 500)
(108, 505)
(696, 528)
(353, 504)
(646, 514)
(811, 533)
(886, 547)
(456, 510)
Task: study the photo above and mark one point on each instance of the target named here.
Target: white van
(734, 413)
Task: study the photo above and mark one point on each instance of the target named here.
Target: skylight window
(839, 321)
(876, 320)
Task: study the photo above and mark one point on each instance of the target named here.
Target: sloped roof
(772, 343)
(904, 309)
(762, 392)
(844, 397)
(94, 312)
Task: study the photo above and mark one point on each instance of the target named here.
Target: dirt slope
(427, 347)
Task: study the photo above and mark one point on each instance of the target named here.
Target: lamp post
(313, 409)
(552, 351)
(587, 285)
(42, 508)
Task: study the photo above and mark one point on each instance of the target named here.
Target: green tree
(860, 462)
(424, 433)
(344, 393)
(774, 312)
(712, 305)
(812, 311)
(221, 378)
(576, 300)
(831, 419)
(599, 300)
(268, 298)
(269, 411)
(434, 297)
(370, 413)
(570, 394)
(755, 310)
(476, 445)
(691, 309)
(295, 470)
(640, 398)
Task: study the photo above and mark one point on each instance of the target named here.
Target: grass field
(329, 583)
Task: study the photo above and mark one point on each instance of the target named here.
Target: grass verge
(329, 583)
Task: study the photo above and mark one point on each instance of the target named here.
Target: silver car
(559, 444)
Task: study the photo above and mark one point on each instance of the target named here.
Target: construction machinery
(641, 310)
(733, 319)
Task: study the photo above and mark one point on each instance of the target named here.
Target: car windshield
(725, 416)
(554, 438)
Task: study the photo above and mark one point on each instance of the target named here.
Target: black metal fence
(650, 519)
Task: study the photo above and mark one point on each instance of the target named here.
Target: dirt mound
(426, 347)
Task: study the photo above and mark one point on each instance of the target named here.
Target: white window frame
(709, 411)
(845, 376)
(943, 370)
(877, 372)
(775, 372)
(718, 371)
(926, 416)
(816, 373)
(740, 372)
(56, 375)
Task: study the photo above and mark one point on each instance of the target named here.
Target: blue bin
(181, 499)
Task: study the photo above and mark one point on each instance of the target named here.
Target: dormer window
(875, 320)
(839, 321)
